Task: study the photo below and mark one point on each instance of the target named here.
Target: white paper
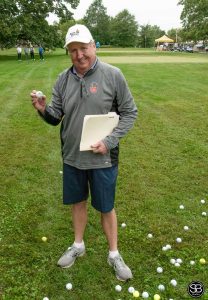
(96, 128)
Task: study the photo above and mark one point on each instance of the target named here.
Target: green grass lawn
(163, 164)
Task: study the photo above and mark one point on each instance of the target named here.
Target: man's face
(82, 55)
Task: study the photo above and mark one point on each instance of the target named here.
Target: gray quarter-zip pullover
(102, 89)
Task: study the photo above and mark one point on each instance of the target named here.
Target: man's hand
(99, 147)
(38, 103)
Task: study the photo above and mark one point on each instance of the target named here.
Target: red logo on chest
(93, 87)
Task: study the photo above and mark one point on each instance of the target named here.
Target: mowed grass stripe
(154, 59)
(162, 164)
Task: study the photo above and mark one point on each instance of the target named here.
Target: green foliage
(97, 20)
(124, 29)
(22, 21)
(175, 34)
(195, 19)
(148, 34)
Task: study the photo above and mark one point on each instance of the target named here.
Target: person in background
(26, 51)
(89, 87)
(19, 52)
(41, 51)
(32, 52)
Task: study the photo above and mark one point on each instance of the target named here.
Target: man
(41, 51)
(32, 52)
(26, 50)
(19, 53)
(89, 87)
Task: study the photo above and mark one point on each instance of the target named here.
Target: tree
(176, 34)
(194, 18)
(124, 30)
(148, 34)
(24, 20)
(97, 20)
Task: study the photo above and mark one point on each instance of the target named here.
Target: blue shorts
(100, 182)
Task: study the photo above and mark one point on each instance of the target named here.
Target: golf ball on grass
(39, 94)
(161, 287)
(123, 225)
(118, 288)
(177, 264)
(202, 201)
(150, 236)
(181, 206)
(173, 282)
(156, 297)
(192, 262)
(45, 298)
(44, 239)
(69, 286)
(136, 294)
(159, 270)
(178, 240)
(145, 295)
(172, 261)
(186, 228)
(179, 260)
(204, 213)
(131, 290)
(202, 261)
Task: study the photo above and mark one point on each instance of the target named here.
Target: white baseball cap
(78, 33)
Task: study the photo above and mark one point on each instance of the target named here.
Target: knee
(80, 205)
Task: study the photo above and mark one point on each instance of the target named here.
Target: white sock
(113, 254)
(79, 245)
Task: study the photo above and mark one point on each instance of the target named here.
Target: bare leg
(79, 218)
(109, 224)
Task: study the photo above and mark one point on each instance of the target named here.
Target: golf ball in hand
(39, 94)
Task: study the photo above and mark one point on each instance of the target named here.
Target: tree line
(23, 21)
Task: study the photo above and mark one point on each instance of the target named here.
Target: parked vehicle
(189, 49)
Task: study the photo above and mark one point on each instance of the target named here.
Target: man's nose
(79, 53)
